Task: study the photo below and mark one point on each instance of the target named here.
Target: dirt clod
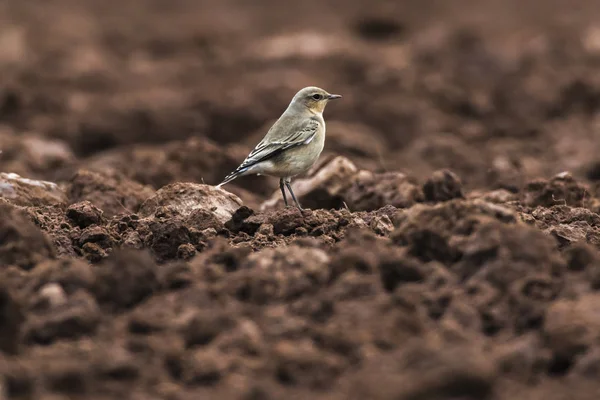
(442, 186)
(131, 273)
(11, 316)
(85, 214)
(108, 190)
(22, 191)
(79, 316)
(21, 243)
(186, 198)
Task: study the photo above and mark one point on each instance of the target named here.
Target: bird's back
(288, 123)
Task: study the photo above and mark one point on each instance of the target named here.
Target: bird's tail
(232, 176)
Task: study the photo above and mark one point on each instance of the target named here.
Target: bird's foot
(304, 211)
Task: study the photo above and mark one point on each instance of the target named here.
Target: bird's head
(313, 98)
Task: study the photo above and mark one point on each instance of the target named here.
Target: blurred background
(499, 91)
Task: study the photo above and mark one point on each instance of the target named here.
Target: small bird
(293, 144)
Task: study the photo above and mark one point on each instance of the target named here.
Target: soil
(450, 246)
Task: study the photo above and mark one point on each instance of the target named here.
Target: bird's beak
(334, 96)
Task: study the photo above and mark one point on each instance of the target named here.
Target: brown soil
(446, 255)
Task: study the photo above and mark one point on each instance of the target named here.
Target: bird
(292, 145)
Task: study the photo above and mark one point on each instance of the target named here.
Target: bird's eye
(317, 96)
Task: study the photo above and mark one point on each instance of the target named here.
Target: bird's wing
(300, 133)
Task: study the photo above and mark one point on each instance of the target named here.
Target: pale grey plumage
(293, 143)
(302, 133)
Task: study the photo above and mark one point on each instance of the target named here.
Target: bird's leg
(287, 184)
(283, 191)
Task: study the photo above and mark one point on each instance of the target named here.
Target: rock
(185, 198)
(53, 295)
(71, 274)
(29, 192)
